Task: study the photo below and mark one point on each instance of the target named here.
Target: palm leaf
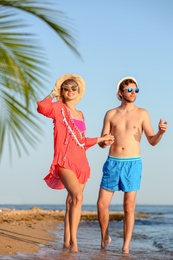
(50, 16)
(23, 70)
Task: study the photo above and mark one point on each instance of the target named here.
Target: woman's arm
(45, 106)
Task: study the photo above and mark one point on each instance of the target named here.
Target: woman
(69, 168)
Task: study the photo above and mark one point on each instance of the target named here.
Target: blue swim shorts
(122, 174)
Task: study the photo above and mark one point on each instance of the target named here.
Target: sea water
(152, 237)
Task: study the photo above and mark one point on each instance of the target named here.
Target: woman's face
(70, 90)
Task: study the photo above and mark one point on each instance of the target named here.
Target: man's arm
(157, 137)
(106, 130)
(153, 138)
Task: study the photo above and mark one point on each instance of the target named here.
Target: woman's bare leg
(67, 223)
(75, 191)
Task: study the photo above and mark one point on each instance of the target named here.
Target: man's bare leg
(103, 203)
(129, 218)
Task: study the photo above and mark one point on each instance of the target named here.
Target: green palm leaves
(23, 69)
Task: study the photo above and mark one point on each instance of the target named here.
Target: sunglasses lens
(68, 89)
(131, 89)
(74, 89)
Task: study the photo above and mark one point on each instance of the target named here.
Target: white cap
(118, 85)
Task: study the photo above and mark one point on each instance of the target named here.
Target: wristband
(52, 95)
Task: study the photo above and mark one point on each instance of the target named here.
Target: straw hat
(77, 79)
(118, 85)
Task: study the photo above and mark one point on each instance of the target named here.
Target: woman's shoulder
(58, 104)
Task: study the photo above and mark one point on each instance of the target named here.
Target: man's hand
(162, 126)
(106, 140)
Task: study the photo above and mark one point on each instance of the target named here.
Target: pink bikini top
(80, 125)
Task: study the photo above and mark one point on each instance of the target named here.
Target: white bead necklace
(70, 130)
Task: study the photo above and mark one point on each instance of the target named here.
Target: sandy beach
(24, 230)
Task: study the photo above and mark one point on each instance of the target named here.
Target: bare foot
(105, 243)
(125, 250)
(73, 248)
(66, 245)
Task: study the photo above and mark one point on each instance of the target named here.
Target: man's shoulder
(142, 110)
(113, 110)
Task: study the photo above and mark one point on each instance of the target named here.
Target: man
(122, 170)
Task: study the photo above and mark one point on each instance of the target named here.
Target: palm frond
(52, 17)
(17, 124)
(23, 69)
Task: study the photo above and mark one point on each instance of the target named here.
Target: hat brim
(77, 79)
(118, 85)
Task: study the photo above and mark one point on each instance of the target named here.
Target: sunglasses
(136, 90)
(73, 88)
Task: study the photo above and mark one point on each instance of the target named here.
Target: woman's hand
(52, 94)
(105, 140)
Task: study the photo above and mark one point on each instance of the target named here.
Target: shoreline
(24, 230)
(35, 213)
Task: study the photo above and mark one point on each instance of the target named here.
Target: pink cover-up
(70, 144)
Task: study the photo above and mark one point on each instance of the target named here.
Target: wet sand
(24, 230)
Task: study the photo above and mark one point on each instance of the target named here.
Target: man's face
(129, 92)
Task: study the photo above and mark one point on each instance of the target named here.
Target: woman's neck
(71, 106)
(73, 111)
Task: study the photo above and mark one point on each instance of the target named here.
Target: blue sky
(115, 38)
